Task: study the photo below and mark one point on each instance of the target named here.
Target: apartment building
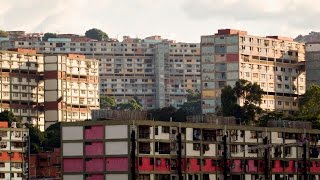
(156, 70)
(101, 150)
(71, 88)
(275, 63)
(42, 90)
(22, 85)
(13, 152)
(313, 63)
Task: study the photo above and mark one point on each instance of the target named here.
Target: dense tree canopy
(48, 35)
(133, 105)
(96, 34)
(309, 105)
(250, 93)
(107, 102)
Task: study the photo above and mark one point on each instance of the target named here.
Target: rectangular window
(165, 129)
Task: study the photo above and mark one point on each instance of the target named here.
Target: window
(279, 86)
(2, 164)
(15, 87)
(294, 104)
(165, 129)
(156, 130)
(2, 176)
(279, 103)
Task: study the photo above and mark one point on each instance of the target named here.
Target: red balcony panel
(117, 164)
(315, 166)
(94, 148)
(277, 167)
(209, 165)
(94, 164)
(252, 166)
(162, 164)
(193, 165)
(290, 167)
(94, 132)
(146, 164)
(73, 165)
(237, 166)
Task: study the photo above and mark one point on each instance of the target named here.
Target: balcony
(209, 135)
(144, 148)
(144, 132)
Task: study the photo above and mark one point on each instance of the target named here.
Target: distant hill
(311, 37)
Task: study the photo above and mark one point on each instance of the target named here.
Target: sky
(182, 20)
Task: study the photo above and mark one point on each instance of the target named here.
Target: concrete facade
(313, 63)
(43, 90)
(202, 151)
(275, 63)
(156, 70)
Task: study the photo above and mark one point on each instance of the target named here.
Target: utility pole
(305, 163)
(133, 155)
(266, 159)
(179, 153)
(225, 151)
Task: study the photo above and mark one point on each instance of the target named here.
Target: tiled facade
(202, 150)
(155, 70)
(13, 152)
(275, 63)
(46, 89)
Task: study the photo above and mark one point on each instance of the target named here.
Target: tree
(3, 33)
(107, 102)
(96, 34)
(228, 101)
(163, 114)
(36, 139)
(52, 136)
(250, 93)
(9, 117)
(309, 105)
(48, 35)
(133, 104)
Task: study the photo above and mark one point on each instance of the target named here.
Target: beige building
(71, 88)
(42, 90)
(275, 63)
(22, 85)
(157, 71)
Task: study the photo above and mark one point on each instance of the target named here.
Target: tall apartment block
(101, 150)
(13, 152)
(71, 88)
(275, 63)
(313, 63)
(43, 90)
(157, 71)
(22, 85)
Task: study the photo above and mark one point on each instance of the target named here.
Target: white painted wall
(72, 177)
(190, 151)
(162, 135)
(117, 176)
(72, 149)
(116, 148)
(72, 133)
(116, 132)
(212, 150)
(189, 134)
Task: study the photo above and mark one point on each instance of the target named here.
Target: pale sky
(182, 20)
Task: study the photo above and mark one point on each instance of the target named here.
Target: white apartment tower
(275, 63)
